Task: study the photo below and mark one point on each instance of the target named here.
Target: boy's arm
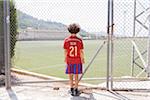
(65, 53)
(82, 56)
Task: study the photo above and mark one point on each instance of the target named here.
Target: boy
(74, 57)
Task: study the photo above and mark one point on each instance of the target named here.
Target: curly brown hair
(74, 28)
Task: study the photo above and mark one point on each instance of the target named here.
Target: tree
(1, 40)
(13, 33)
(13, 28)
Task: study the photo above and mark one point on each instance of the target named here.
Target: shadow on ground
(91, 97)
(12, 94)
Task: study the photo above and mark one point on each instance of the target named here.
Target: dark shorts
(74, 69)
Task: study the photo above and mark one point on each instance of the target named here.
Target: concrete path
(50, 92)
(59, 91)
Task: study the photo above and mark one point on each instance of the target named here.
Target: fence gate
(131, 49)
(42, 28)
(122, 64)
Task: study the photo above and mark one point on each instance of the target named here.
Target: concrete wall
(42, 35)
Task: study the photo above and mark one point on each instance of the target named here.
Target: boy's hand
(65, 60)
(82, 60)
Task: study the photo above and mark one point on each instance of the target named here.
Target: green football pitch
(47, 57)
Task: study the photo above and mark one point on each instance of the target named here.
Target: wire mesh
(42, 27)
(130, 29)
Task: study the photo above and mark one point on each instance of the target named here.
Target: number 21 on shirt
(73, 51)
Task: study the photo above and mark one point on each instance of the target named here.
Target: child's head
(74, 28)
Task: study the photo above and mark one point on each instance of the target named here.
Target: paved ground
(59, 91)
(47, 92)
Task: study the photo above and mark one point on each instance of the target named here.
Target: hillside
(25, 21)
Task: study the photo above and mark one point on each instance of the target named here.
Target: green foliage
(1, 40)
(13, 27)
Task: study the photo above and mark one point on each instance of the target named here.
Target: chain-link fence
(131, 37)
(42, 28)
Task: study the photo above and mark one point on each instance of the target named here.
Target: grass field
(46, 57)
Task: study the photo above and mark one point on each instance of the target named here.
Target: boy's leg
(77, 92)
(71, 84)
(71, 80)
(76, 81)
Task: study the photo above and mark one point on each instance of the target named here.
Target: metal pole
(7, 43)
(108, 46)
(92, 59)
(112, 44)
(148, 52)
(133, 49)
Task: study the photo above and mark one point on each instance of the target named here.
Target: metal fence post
(133, 49)
(6, 21)
(108, 46)
(148, 50)
(112, 44)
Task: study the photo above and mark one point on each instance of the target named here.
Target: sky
(91, 15)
